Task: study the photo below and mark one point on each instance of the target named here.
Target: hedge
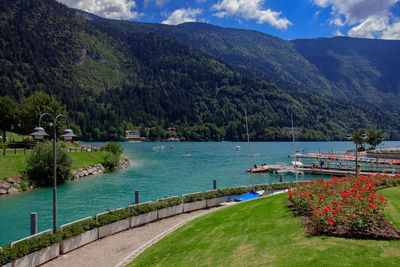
(78, 228)
(142, 208)
(5, 255)
(168, 202)
(114, 216)
(193, 197)
(28, 246)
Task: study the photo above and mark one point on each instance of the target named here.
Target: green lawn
(264, 232)
(14, 164)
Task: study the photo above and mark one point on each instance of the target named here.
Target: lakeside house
(133, 136)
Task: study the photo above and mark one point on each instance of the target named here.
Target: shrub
(114, 216)
(111, 161)
(143, 208)
(78, 228)
(28, 246)
(193, 197)
(168, 202)
(5, 255)
(40, 165)
(114, 148)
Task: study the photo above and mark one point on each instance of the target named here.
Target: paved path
(123, 247)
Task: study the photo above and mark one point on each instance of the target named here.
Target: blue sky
(288, 19)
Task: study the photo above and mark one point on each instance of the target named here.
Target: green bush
(111, 161)
(5, 255)
(168, 202)
(143, 208)
(193, 197)
(78, 228)
(40, 164)
(28, 246)
(114, 148)
(114, 216)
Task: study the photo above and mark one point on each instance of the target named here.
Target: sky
(287, 19)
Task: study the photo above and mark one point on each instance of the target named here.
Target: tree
(112, 158)
(8, 114)
(358, 139)
(114, 148)
(375, 137)
(35, 105)
(40, 165)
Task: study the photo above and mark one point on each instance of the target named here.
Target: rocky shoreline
(13, 185)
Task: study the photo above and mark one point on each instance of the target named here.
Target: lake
(187, 167)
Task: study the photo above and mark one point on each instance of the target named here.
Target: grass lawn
(14, 164)
(264, 232)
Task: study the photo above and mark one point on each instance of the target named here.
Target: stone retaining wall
(14, 185)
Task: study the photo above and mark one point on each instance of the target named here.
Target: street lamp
(38, 133)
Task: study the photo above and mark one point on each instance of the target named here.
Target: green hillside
(114, 75)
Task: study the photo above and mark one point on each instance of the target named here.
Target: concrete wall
(197, 205)
(39, 257)
(143, 219)
(79, 240)
(113, 228)
(215, 201)
(171, 211)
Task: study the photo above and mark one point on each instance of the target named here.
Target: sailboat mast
(294, 149)
(248, 147)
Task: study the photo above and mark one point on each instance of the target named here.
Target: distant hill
(114, 75)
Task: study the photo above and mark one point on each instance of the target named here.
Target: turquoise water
(188, 167)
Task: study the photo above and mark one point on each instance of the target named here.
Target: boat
(236, 148)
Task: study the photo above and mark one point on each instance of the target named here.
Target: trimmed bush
(114, 216)
(168, 202)
(78, 228)
(37, 243)
(143, 208)
(5, 255)
(193, 197)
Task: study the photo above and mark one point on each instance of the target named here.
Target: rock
(6, 185)
(81, 174)
(76, 176)
(85, 172)
(31, 187)
(11, 180)
(12, 190)
(3, 192)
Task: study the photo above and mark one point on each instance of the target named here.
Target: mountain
(114, 75)
(362, 71)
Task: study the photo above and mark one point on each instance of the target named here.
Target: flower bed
(345, 206)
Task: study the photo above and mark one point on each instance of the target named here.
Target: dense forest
(112, 76)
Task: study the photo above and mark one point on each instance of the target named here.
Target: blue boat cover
(245, 197)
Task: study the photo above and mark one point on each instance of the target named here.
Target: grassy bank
(264, 232)
(14, 164)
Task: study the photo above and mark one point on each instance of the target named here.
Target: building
(133, 136)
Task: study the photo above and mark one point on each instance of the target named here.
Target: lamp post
(38, 133)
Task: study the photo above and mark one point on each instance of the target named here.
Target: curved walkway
(121, 248)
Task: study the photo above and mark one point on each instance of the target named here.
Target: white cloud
(338, 33)
(111, 9)
(368, 18)
(182, 15)
(392, 32)
(367, 28)
(250, 9)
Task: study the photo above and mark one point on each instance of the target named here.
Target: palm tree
(358, 138)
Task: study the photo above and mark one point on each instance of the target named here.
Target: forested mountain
(115, 75)
(363, 71)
